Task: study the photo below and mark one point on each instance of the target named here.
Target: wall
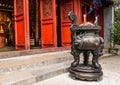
(108, 20)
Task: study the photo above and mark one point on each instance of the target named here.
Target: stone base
(87, 73)
(113, 50)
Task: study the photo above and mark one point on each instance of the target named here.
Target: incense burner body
(85, 39)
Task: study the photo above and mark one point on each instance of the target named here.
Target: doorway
(34, 14)
(7, 40)
(58, 23)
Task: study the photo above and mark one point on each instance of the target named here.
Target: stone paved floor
(111, 70)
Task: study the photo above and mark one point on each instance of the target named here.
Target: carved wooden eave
(107, 3)
(111, 1)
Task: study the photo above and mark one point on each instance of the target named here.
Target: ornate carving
(19, 6)
(86, 40)
(47, 8)
(65, 11)
(65, 1)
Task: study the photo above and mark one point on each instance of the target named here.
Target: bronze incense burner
(86, 40)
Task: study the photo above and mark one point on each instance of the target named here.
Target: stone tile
(111, 76)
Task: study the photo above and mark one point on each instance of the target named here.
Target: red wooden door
(65, 7)
(21, 16)
(48, 23)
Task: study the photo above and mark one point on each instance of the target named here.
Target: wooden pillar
(37, 25)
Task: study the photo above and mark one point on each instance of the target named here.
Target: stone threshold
(10, 54)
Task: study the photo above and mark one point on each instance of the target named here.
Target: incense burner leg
(76, 57)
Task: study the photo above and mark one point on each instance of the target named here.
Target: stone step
(27, 70)
(32, 61)
(34, 75)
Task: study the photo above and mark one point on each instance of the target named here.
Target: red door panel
(65, 7)
(48, 23)
(21, 17)
(48, 34)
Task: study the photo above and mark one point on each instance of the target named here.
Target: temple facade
(26, 24)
